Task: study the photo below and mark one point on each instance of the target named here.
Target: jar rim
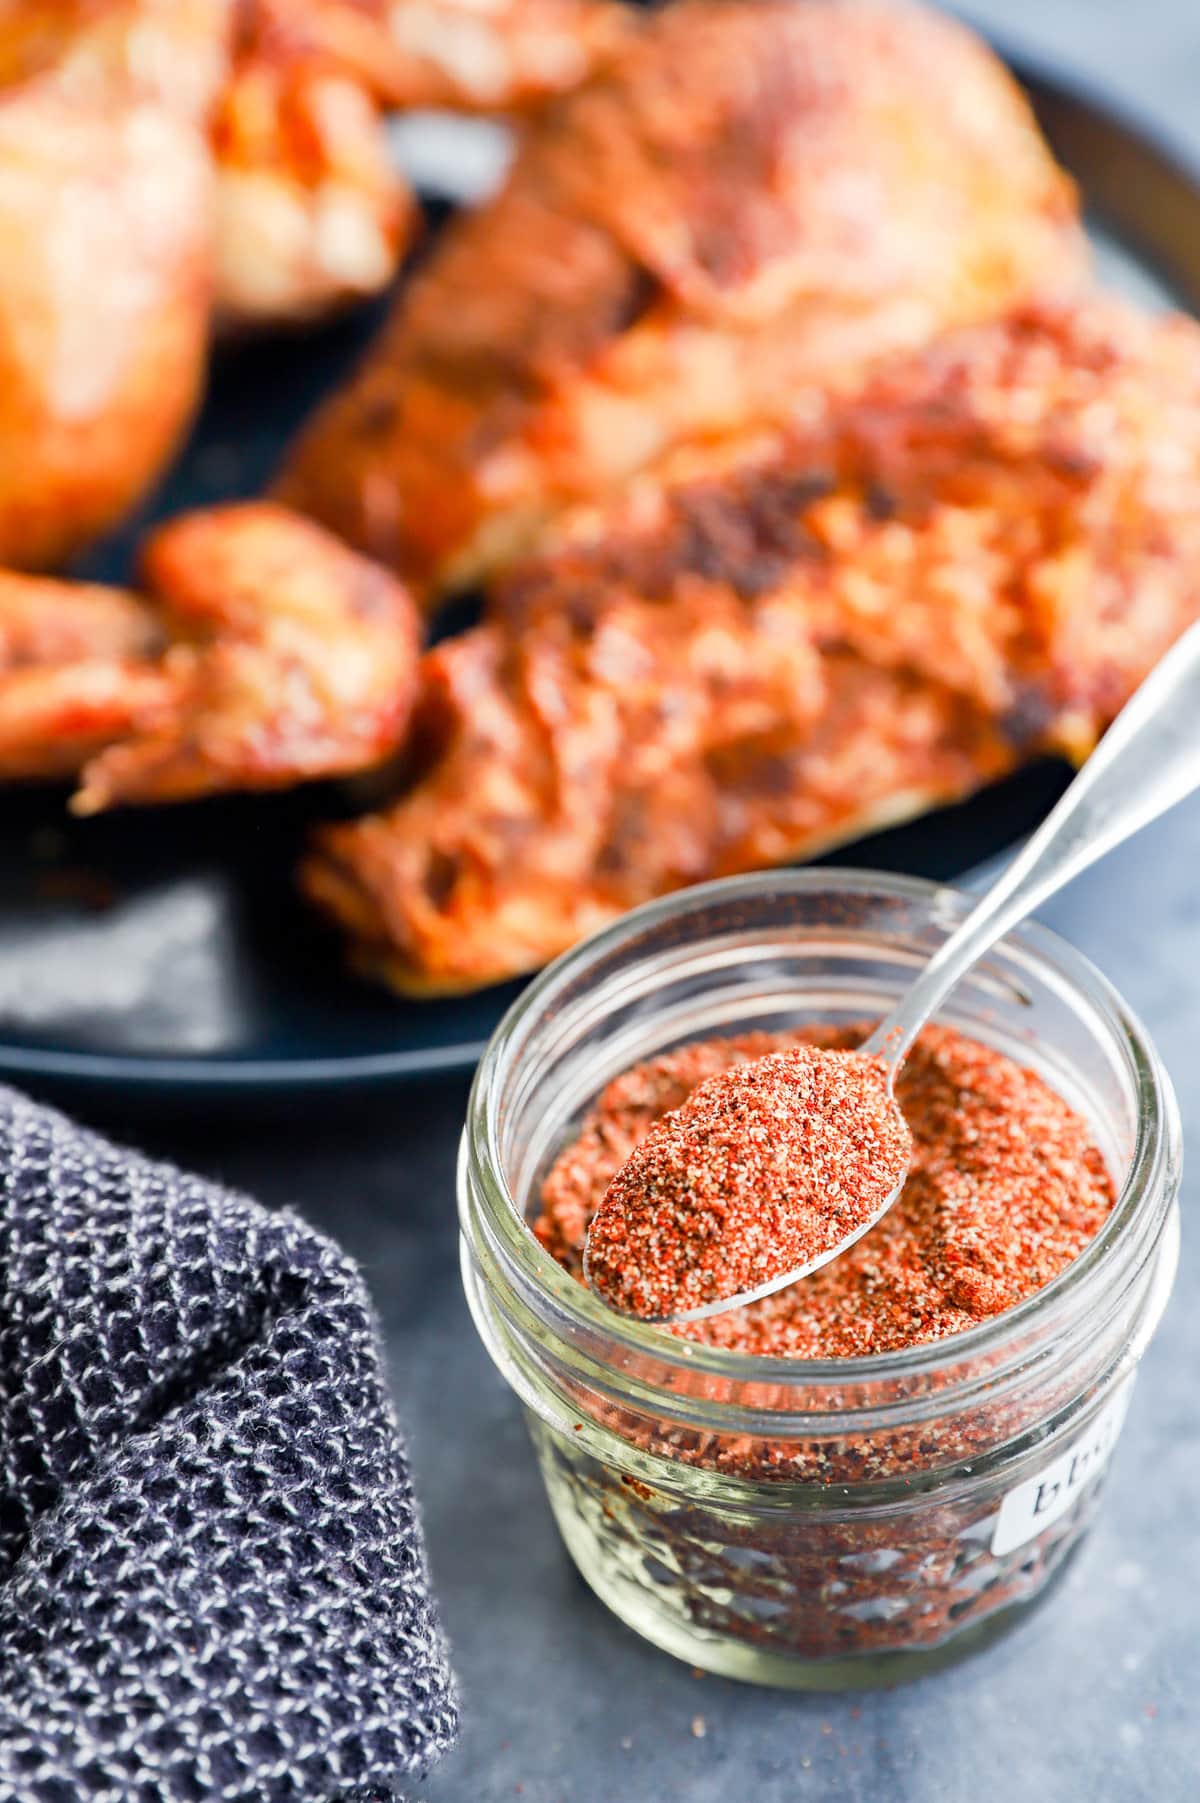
(569, 1302)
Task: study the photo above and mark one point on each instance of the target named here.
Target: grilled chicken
(115, 226)
(293, 658)
(469, 55)
(173, 51)
(310, 213)
(105, 264)
(78, 668)
(305, 211)
(105, 255)
(778, 645)
(749, 201)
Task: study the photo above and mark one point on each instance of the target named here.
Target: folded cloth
(212, 1581)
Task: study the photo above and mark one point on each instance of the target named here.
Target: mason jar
(835, 1522)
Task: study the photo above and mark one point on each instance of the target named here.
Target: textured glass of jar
(922, 1499)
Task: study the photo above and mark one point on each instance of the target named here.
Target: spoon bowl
(783, 1281)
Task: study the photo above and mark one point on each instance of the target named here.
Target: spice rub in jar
(1005, 1187)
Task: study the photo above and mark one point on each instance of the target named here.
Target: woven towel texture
(212, 1582)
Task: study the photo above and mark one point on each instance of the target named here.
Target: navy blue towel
(212, 1580)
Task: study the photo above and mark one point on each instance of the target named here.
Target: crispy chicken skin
(310, 213)
(105, 264)
(750, 200)
(294, 658)
(469, 55)
(78, 668)
(43, 621)
(778, 645)
(305, 211)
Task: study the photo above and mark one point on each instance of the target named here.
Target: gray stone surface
(1092, 1698)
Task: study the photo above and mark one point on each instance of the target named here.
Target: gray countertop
(1092, 1697)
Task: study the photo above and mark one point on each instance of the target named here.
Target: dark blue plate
(167, 954)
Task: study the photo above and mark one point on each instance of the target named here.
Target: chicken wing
(781, 645)
(294, 659)
(78, 668)
(749, 201)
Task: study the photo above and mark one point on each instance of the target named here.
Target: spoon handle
(1147, 761)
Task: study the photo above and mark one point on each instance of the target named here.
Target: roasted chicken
(158, 157)
(310, 212)
(747, 202)
(79, 666)
(105, 263)
(292, 658)
(469, 55)
(305, 209)
(778, 645)
(98, 51)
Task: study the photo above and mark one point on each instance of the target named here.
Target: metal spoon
(1148, 760)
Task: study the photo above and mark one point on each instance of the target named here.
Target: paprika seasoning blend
(878, 1469)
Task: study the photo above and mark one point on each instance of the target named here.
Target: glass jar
(928, 1497)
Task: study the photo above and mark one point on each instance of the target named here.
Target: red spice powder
(765, 1167)
(1005, 1188)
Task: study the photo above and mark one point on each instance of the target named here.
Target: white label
(1034, 1504)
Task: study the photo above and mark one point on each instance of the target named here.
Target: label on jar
(1034, 1504)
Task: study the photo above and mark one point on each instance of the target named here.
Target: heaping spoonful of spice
(772, 1168)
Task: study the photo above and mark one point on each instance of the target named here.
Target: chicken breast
(775, 646)
(293, 659)
(748, 203)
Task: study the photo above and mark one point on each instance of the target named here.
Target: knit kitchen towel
(212, 1581)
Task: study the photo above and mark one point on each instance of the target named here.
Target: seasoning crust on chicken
(294, 658)
(777, 646)
(748, 202)
(78, 668)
